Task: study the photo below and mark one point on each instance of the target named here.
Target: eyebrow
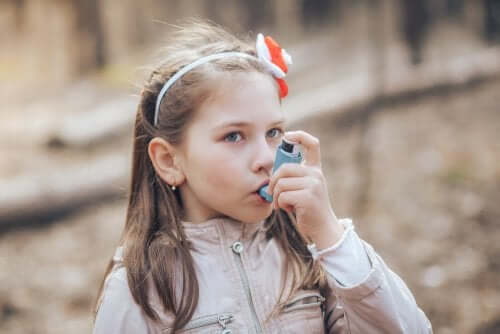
(236, 124)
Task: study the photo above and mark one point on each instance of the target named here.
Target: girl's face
(229, 150)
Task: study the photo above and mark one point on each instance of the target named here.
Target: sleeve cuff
(317, 254)
(371, 282)
(346, 260)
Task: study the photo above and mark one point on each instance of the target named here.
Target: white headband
(188, 68)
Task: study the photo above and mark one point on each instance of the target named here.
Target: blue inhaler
(288, 152)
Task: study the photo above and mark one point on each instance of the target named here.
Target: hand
(302, 188)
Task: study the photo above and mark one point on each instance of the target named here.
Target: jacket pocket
(209, 324)
(303, 314)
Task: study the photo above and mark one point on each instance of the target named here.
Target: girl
(201, 251)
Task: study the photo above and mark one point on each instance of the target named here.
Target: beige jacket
(239, 275)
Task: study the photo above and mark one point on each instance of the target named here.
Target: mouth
(265, 183)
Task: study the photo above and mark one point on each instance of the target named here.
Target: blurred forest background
(402, 94)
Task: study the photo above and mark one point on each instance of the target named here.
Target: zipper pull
(223, 319)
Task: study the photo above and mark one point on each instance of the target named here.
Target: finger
(288, 200)
(289, 184)
(286, 170)
(310, 145)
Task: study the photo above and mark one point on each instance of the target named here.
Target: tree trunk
(90, 34)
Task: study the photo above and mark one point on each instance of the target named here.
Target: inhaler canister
(288, 152)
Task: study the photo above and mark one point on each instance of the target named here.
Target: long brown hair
(156, 249)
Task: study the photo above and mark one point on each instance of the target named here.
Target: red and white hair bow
(275, 59)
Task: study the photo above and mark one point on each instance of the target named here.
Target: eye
(275, 133)
(233, 137)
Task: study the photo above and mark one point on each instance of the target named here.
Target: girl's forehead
(243, 98)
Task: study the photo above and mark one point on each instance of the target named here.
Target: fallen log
(32, 199)
(84, 129)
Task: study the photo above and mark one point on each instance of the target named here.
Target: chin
(255, 217)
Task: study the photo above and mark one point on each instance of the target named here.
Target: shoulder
(116, 289)
(116, 282)
(117, 311)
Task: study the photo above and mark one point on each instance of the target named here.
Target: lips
(266, 182)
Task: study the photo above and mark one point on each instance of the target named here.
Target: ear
(163, 156)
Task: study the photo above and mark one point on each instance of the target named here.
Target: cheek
(219, 170)
(226, 172)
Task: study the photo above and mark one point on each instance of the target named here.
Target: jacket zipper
(222, 319)
(299, 303)
(237, 249)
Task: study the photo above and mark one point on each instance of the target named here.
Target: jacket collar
(225, 226)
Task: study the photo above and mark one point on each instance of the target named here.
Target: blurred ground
(432, 183)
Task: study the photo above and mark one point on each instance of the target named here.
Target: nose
(264, 157)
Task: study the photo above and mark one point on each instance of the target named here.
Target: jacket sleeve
(380, 303)
(346, 260)
(118, 312)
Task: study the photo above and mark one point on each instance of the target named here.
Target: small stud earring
(173, 188)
